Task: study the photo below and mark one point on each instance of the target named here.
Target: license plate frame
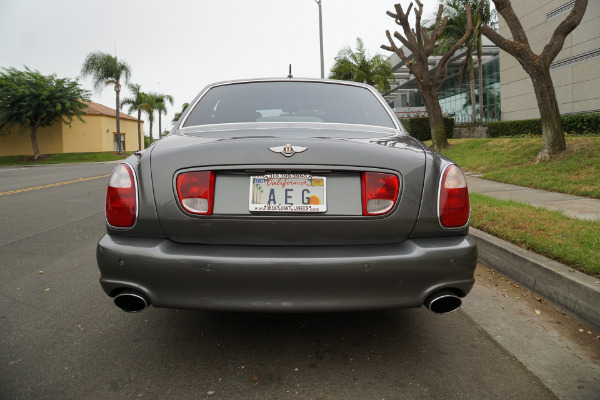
(288, 193)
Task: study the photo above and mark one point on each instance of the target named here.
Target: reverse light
(379, 192)
(121, 198)
(196, 191)
(454, 206)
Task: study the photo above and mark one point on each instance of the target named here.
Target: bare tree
(421, 42)
(538, 67)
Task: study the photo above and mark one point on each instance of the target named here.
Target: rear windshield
(289, 102)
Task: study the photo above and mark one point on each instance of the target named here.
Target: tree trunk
(159, 125)
(139, 129)
(480, 69)
(552, 131)
(117, 91)
(472, 87)
(439, 141)
(36, 150)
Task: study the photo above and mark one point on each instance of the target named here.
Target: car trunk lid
(238, 153)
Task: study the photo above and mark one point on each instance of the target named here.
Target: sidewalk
(572, 206)
(576, 292)
(547, 346)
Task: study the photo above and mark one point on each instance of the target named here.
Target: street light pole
(321, 38)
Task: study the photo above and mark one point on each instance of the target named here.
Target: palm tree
(107, 70)
(488, 17)
(149, 107)
(455, 10)
(358, 67)
(455, 29)
(136, 103)
(179, 114)
(161, 106)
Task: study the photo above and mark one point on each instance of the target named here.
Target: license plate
(287, 193)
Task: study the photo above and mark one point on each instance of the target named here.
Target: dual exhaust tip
(442, 302)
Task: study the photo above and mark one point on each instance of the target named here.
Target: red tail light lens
(379, 192)
(454, 205)
(121, 198)
(196, 191)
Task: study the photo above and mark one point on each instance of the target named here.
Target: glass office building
(455, 95)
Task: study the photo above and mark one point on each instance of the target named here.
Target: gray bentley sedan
(288, 195)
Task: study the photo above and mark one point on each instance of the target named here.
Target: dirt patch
(30, 159)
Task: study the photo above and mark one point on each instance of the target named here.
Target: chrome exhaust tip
(131, 301)
(443, 302)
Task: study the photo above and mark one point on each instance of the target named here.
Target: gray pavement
(577, 293)
(555, 352)
(572, 206)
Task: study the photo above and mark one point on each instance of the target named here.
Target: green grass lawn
(62, 158)
(513, 160)
(567, 240)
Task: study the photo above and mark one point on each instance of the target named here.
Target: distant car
(288, 195)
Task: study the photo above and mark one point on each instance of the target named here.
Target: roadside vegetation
(570, 241)
(64, 158)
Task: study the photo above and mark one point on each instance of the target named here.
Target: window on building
(122, 142)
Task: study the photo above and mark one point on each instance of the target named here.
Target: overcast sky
(179, 46)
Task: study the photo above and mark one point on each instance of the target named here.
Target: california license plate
(287, 193)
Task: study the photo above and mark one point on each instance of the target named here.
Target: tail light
(121, 198)
(454, 206)
(196, 191)
(379, 192)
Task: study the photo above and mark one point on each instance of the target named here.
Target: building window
(122, 142)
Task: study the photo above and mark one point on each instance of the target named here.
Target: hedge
(418, 127)
(576, 124)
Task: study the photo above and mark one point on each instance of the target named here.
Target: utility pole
(321, 38)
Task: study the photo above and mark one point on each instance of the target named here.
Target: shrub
(576, 124)
(418, 127)
(581, 124)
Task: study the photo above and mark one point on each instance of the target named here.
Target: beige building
(575, 71)
(97, 134)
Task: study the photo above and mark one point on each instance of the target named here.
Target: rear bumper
(286, 278)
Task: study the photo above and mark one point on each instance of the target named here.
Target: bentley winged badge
(288, 150)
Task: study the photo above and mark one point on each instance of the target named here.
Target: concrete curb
(574, 291)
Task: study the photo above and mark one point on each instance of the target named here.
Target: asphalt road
(62, 338)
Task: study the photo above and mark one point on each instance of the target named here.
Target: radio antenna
(290, 74)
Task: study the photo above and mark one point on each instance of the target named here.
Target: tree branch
(560, 34)
(457, 45)
(516, 29)
(402, 19)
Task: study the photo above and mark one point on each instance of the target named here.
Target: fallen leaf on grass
(538, 312)
(79, 327)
